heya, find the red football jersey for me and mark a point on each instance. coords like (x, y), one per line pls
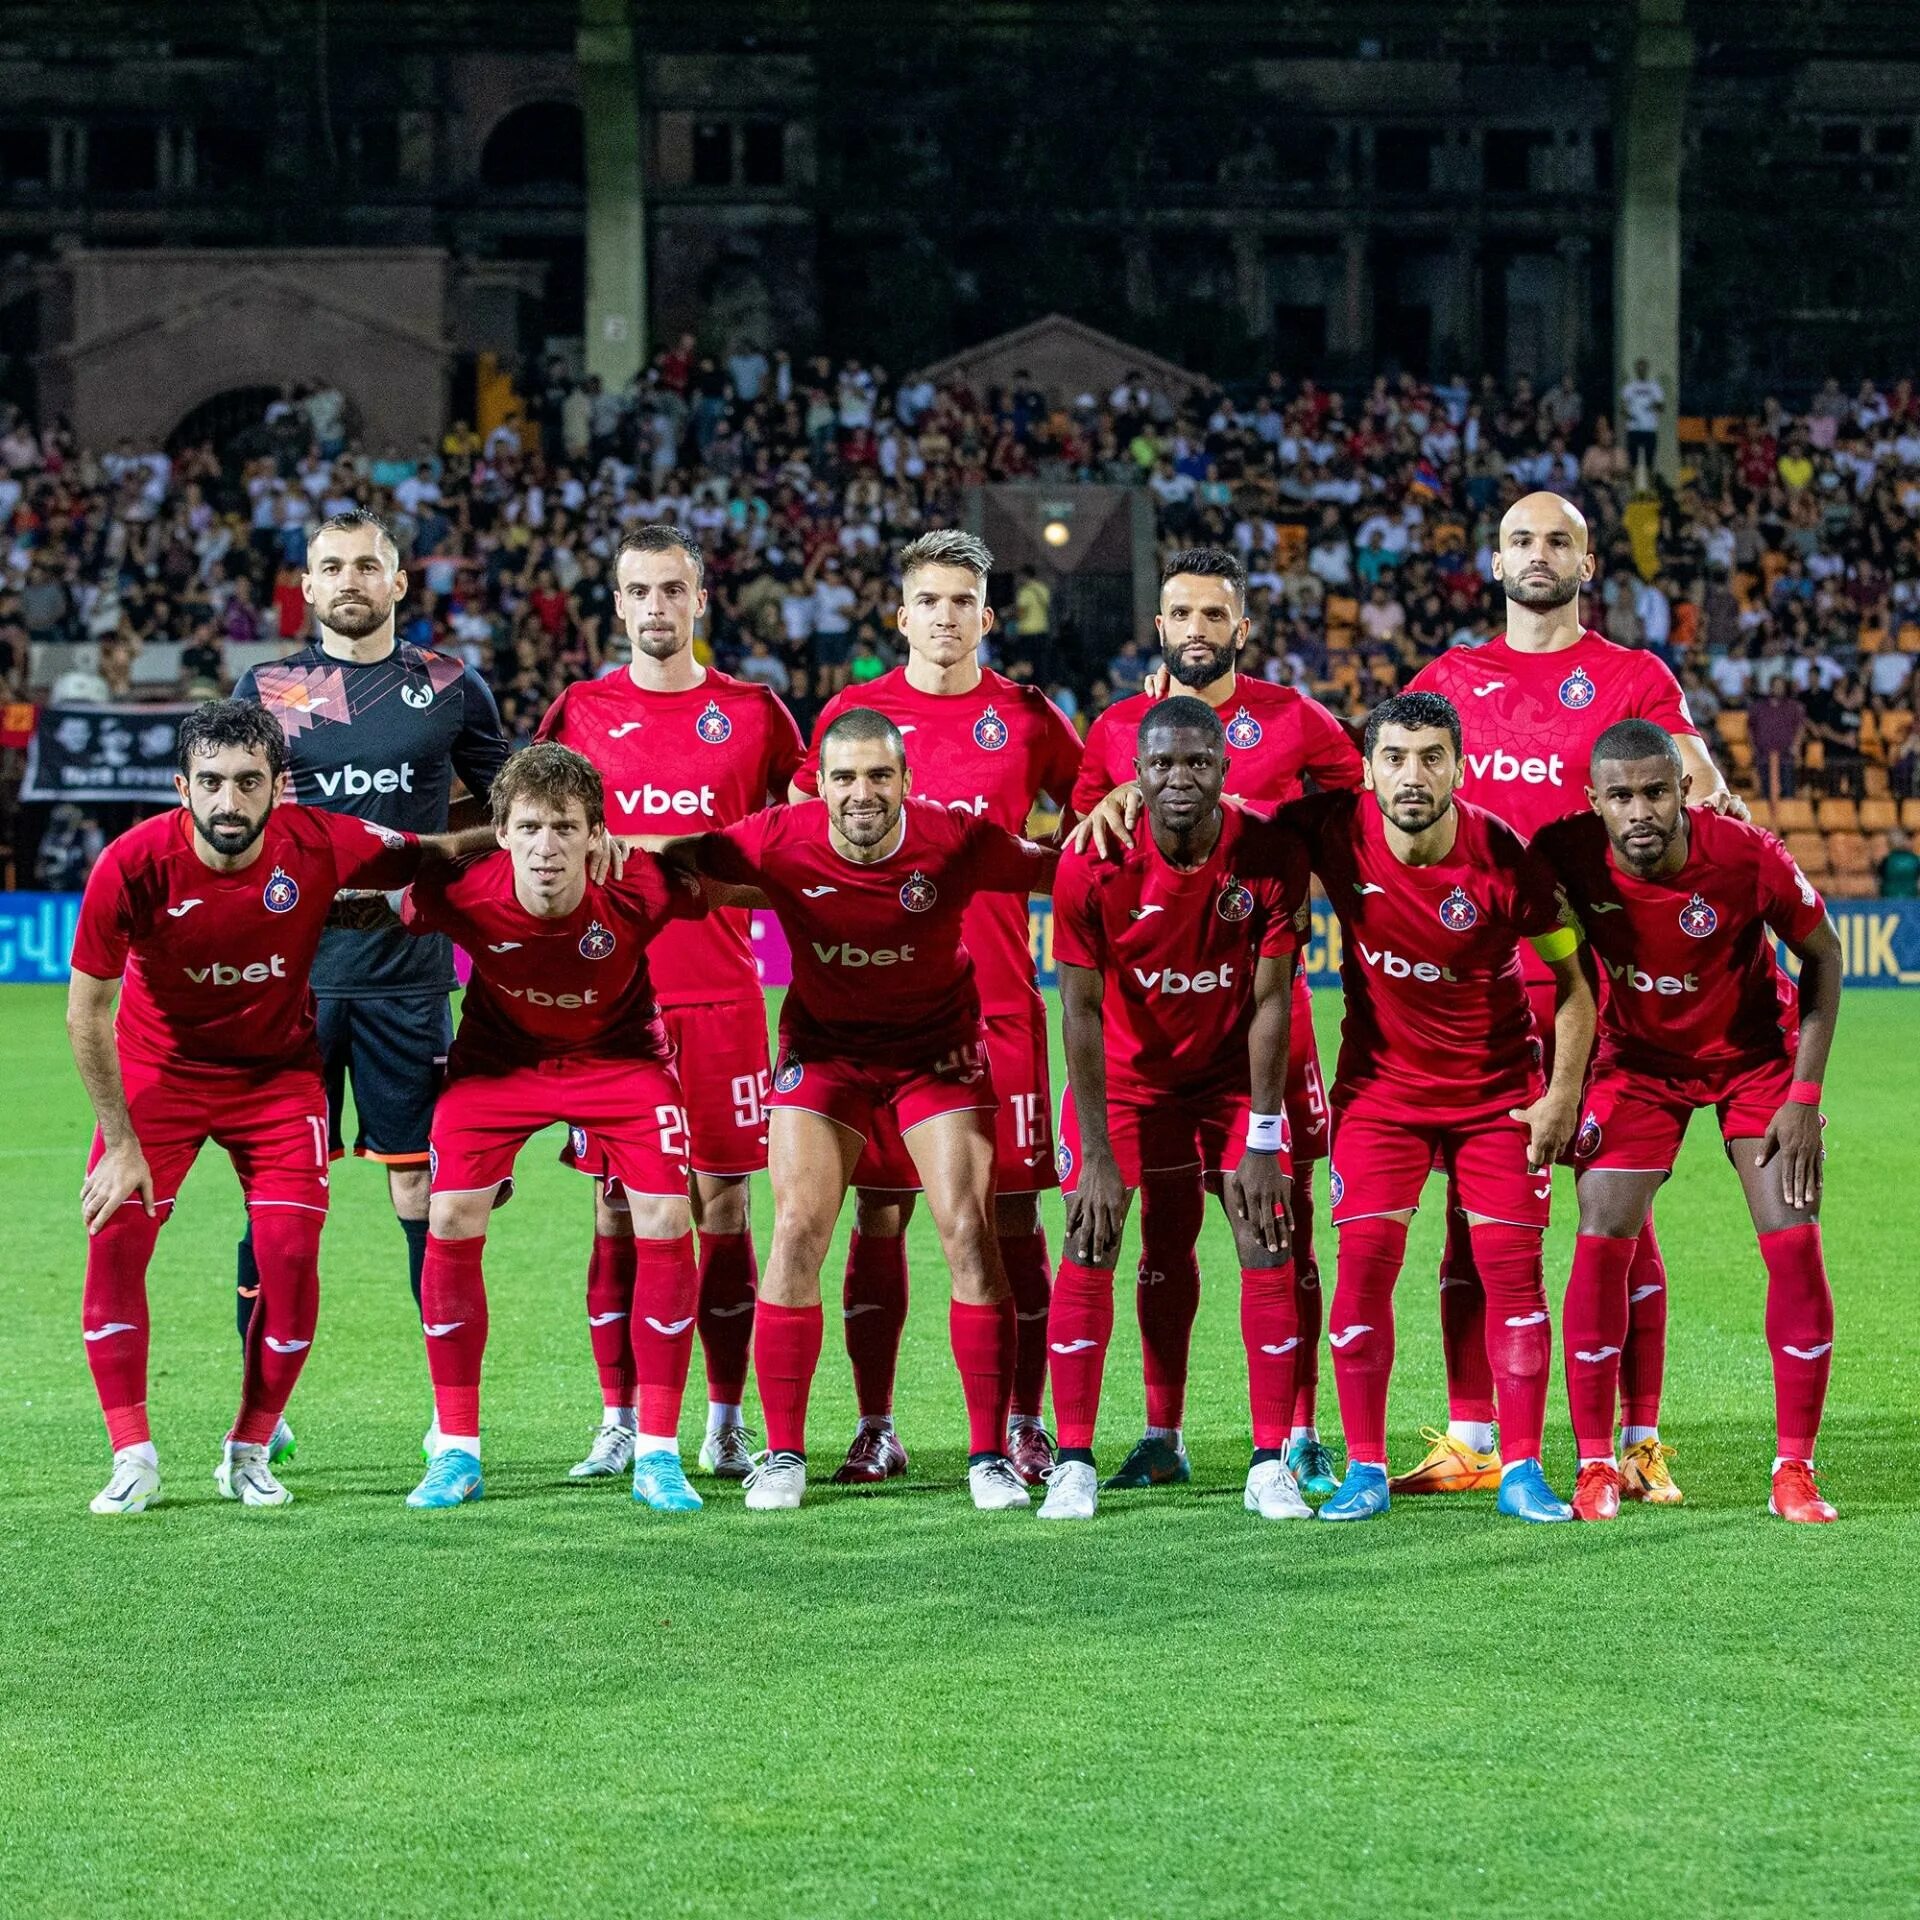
(1528, 721)
(1275, 735)
(880, 964)
(1437, 1018)
(1689, 982)
(214, 965)
(679, 763)
(1178, 950)
(990, 753)
(542, 988)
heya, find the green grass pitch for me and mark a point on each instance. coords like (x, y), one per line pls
(557, 1703)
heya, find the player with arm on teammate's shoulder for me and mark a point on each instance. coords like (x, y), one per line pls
(991, 748)
(1175, 962)
(883, 1014)
(1440, 1064)
(203, 923)
(1681, 907)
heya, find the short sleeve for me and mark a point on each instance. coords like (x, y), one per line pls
(1077, 935)
(736, 855)
(1061, 755)
(1330, 755)
(787, 753)
(1789, 901)
(806, 776)
(1659, 698)
(366, 854)
(1534, 904)
(105, 932)
(996, 861)
(553, 723)
(1096, 779)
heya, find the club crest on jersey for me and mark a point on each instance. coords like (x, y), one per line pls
(1243, 730)
(597, 942)
(990, 732)
(1235, 902)
(1698, 919)
(918, 893)
(1577, 689)
(577, 1139)
(281, 894)
(1063, 1159)
(1586, 1142)
(1457, 912)
(416, 695)
(788, 1075)
(713, 726)
(1336, 1187)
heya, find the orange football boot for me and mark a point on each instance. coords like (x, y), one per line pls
(1644, 1475)
(1451, 1466)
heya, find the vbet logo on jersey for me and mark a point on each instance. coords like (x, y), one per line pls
(597, 942)
(713, 726)
(281, 893)
(652, 799)
(1531, 771)
(990, 732)
(1169, 980)
(355, 783)
(1243, 730)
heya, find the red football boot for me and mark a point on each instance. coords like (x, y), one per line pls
(1596, 1494)
(1795, 1497)
(1030, 1452)
(876, 1455)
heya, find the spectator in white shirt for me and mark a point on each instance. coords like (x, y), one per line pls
(1642, 401)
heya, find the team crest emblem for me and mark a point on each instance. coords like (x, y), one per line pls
(713, 726)
(918, 893)
(1698, 919)
(1243, 730)
(596, 943)
(1336, 1187)
(990, 732)
(788, 1076)
(1063, 1159)
(433, 1160)
(1577, 689)
(577, 1140)
(1587, 1141)
(415, 695)
(1235, 902)
(281, 894)
(1457, 912)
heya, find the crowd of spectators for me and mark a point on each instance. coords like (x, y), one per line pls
(1780, 579)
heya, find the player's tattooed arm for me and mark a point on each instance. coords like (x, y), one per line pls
(1709, 788)
(121, 1171)
(1097, 1209)
(1793, 1135)
(1551, 1120)
(1259, 1190)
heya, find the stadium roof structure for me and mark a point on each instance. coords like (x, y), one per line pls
(1063, 356)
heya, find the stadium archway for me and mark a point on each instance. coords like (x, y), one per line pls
(540, 145)
(230, 416)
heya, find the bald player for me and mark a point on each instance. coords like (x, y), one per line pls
(1532, 702)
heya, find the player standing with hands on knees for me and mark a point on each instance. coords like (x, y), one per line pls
(1681, 906)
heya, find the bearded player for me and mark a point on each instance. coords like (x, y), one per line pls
(681, 746)
(1439, 1061)
(991, 748)
(205, 922)
(883, 1015)
(1681, 906)
(1532, 701)
(1174, 962)
(1276, 739)
(559, 1024)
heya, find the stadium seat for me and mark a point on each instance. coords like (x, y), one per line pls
(1910, 815)
(1793, 816)
(1838, 816)
(1762, 812)
(1690, 429)
(1810, 849)
(1877, 815)
(1847, 853)
(1732, 724)
(1851, 886)
(1878, 785)
(1895, 724)
(1740, 752)
(1877, 844)
(1910, 639)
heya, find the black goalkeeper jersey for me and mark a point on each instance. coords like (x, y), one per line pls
(382, 741)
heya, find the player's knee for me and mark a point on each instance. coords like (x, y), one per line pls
(660, 1216)
(459, 1216)
(721, 1206)
(1016, 1215)
(409, 1188)
(611, 1221)
(879, 1217)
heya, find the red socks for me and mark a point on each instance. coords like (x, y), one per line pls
(1172, 1211)
(729, 1279)
(1463, 1322)
(609, 1304)
(453, 1316)
(1643, 1360)
(1519, 1334)
(286, 1249)
(875, 1304)
(1030, 1275)
(1799, 1335)
(1593, 1329)
(1308, 1304)
(1361, 1332)
(785, 1353)
(113, 1317)
(1270, 1326)
(664, 1289)
(983, 1338)
(1079, 1326)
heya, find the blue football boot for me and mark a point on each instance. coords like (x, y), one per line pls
(660, 1482)
(453, 1479)
(1362, 1496)
(1525, 1495)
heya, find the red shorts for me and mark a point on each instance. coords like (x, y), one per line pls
(1379, 1164)
(1166, 1135)
(1023, 1128)
(722, 1063)
(623, 1115)
(272, 1123)
(863, 1095)
(1306, 1091)
(1634, 1122)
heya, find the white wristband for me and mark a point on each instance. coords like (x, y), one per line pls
(1267, 1133)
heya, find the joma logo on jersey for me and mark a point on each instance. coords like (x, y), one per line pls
(355, 783)
(1168, 980)
(652, 799)
(846, 954)
(1628, 975)
(1529, 772)
(219, 974)
(1397, 968)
